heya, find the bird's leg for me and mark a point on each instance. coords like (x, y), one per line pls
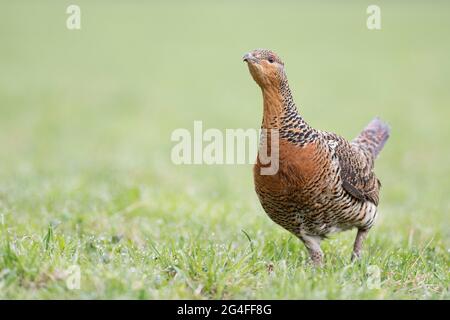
(316, 257)
(312, 243)
(360, 236)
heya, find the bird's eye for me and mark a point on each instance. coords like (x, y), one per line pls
(270, 59)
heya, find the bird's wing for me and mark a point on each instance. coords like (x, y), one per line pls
(356, 167)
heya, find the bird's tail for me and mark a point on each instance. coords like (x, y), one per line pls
(373, 137)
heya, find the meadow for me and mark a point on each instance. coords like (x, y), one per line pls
(86, 177)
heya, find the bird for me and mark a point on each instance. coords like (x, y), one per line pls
(324, 183)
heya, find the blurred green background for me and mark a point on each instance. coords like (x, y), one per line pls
(85, 123)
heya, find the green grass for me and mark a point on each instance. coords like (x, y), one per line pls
(86, 177)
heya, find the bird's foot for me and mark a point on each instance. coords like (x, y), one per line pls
(356, 255)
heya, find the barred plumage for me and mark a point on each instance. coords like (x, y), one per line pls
(324, 183)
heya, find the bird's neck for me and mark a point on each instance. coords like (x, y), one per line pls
(280, 111)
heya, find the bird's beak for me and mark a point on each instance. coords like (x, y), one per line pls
(248, 57)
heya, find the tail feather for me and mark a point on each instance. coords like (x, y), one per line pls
(373, 137)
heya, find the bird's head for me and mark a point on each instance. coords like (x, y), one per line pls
(265, 66)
